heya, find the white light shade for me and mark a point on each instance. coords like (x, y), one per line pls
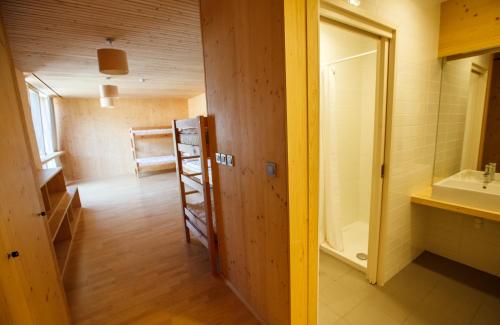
(107, 102)
(112, 61)
(110, 91)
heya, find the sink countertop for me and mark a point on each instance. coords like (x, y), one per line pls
(425, 198)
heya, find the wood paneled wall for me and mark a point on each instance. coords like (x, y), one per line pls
(197, 105)
(30, 289)
(245, 86)
(96, 140)
(469, 26)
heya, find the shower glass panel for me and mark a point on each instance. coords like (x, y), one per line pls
(347, 119)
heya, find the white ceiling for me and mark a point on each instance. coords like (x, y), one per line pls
(57, 40)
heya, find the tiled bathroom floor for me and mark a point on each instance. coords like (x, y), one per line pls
(431, 290)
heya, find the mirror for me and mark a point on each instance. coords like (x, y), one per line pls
(469, 115)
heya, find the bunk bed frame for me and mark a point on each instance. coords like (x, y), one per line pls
(194, 174)
(151, 163)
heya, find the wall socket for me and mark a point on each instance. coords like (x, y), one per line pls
(230, 160)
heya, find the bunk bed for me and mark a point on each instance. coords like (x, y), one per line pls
(194, 175)
(145, 163)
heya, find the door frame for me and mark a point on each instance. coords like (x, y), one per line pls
(301, 22)
(378, 139)
(480, 159)
(315, 11)
(480, 105)
(383, 109)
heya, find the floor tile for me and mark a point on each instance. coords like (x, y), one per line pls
(432, 290)
(326, 316)
(368, 313)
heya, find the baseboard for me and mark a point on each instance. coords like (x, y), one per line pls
(243, 300)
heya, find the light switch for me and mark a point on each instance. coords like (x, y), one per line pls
(271, 169)
(230, 160)
(217, 157)
(222, 159)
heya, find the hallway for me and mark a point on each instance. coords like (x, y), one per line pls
(131, 264)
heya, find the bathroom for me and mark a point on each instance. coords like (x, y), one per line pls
(399, 123)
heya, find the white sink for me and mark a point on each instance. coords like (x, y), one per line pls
(468, 188)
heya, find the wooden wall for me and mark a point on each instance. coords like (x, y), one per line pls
(30, 289)
(197, 105)
(96, 140)
(491, 146)
(245, 85)
(469, 26)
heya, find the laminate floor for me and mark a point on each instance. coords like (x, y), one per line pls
(130, 263)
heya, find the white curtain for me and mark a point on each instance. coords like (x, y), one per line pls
(329, 200)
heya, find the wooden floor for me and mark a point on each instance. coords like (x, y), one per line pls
(130, 262)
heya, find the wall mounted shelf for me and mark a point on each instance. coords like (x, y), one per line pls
(425, 198)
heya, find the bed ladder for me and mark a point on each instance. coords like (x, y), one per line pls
(189, 184)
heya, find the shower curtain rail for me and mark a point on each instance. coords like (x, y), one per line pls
(350, 58)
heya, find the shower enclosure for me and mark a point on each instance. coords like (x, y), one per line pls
(351, 140)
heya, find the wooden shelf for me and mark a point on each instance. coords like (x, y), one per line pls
(62, 249)
(63, 207)
(56, 216)
(62, 244)
(45, 175)
(76, 217)
(425, 198)
(55, 200)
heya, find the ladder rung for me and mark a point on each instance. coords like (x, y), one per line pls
(191, 182)
(191, 174)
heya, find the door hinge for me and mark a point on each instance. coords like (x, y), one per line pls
(382, 170)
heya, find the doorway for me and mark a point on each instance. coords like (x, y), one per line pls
(353, 86)
(474, 117)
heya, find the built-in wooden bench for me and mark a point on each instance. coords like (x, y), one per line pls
(62, 208)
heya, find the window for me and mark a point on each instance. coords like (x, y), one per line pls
(43, 123)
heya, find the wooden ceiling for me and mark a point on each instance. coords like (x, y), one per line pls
(57, 40)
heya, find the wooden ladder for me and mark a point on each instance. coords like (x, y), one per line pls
(202, 228)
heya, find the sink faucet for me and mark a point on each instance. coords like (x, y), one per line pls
(489, 172)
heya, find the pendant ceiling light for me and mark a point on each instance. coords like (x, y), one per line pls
(110, 91)
(107, 102)
(112, 61)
